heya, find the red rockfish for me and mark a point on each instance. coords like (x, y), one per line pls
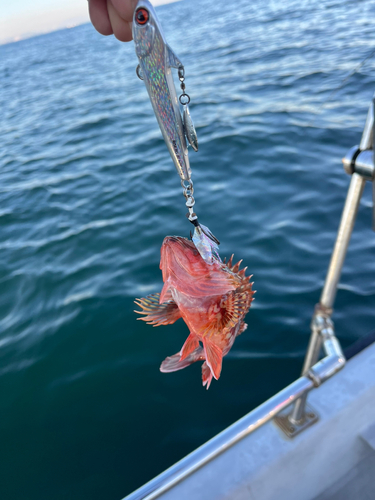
(212, 299)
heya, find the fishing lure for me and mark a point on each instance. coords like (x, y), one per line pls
(156, 60)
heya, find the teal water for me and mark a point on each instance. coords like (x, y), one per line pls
(88, 192)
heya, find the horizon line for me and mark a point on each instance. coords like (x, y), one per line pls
(73, 22)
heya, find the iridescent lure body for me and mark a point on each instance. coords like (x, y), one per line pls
(156, 59)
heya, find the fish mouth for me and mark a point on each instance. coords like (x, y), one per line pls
(177, 239)
(178, 243)
(181, 250)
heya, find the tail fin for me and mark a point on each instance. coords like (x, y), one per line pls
(174, 363)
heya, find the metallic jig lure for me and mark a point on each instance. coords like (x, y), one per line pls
(156, 59)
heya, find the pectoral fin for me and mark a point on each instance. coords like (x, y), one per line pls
(173, 60)
(226, 313)
(214, 357)
(157, 314)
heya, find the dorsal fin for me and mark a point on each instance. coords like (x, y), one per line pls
(236, 267)
(230, 261)
(174, 61)
(242, 272)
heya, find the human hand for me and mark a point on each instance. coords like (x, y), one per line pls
(113, 17)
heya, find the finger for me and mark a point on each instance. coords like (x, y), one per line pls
(125, 8)
(121, 29)
(99, 16)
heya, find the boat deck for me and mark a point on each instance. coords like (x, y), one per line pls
(332, 459)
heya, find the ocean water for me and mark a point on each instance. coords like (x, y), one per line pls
(88, 192)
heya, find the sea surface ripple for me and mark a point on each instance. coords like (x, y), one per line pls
(88, 192)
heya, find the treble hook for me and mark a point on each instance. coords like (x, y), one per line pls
(205, 242)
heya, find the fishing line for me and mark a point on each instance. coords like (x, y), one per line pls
(156, 60)
(334, 91)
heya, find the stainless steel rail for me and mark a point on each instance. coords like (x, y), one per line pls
(323, 310)
(315, 376)
(359, 163)
(357, 184)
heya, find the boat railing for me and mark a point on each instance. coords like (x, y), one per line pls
(359, 163)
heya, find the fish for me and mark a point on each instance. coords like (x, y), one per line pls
(212, 299)
(156, 59)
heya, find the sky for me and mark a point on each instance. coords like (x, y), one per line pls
(21, 19)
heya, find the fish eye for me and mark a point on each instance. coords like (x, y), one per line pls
(141, 16)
